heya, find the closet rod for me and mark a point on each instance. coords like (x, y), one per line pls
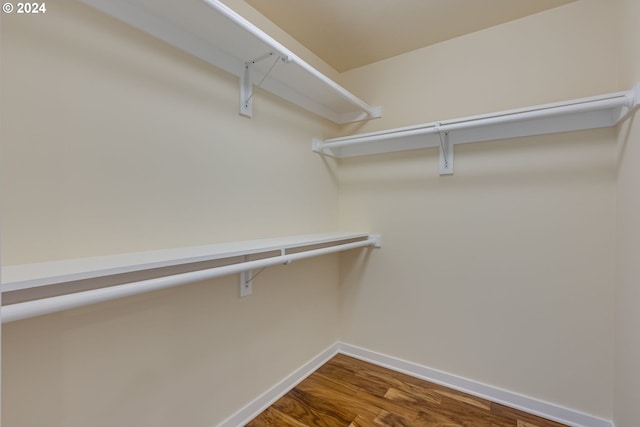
(24, 310)
(290, 56)
(615, 100)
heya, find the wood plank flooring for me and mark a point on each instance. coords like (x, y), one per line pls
(347, 392)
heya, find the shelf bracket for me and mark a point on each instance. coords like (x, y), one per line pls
(246, 277)
(446, 152)
(246, 93)
(246, 283)
(246, 86)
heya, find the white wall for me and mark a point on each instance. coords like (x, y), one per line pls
(627, 369)
(114, 142)
(502, 273)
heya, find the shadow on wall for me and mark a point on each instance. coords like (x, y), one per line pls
(539, 161)
(624, 131)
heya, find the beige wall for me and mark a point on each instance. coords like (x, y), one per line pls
(502, 273)
(560, 54)
(627, 369)
(114, 142)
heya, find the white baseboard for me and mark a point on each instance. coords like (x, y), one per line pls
(262, 402)
(527, 404)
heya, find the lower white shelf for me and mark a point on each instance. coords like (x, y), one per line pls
(236, 257)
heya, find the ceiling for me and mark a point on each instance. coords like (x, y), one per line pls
(348, 34)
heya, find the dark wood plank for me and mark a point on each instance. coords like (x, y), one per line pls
(444, 391)
(434, 419)
(387, 419)
(312, 410)
(338, 395)
(467, 414)
(359, 375)
(273, 417)
(361, 422)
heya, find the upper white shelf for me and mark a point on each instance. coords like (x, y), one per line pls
(585, 113)
(16, 277)
(213, 32)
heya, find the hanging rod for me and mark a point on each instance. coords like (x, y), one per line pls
(291, 57)
(579, 114)
(24, 310)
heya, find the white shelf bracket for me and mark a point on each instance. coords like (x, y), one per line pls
(246, 87)
(246, 277)
(246, 283)
(246, 92)
(446, 152)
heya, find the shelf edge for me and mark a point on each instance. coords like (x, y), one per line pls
(16, 277)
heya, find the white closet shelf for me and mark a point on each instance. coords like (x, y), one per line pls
(213, 32)
(16, 277)
(585, 113)
(270, 252)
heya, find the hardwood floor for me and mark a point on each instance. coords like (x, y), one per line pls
(351, 393)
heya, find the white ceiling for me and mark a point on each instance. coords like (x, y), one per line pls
(351, 33)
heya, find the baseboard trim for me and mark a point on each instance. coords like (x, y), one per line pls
(262, 402)
(527, 404)
(541, 408)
